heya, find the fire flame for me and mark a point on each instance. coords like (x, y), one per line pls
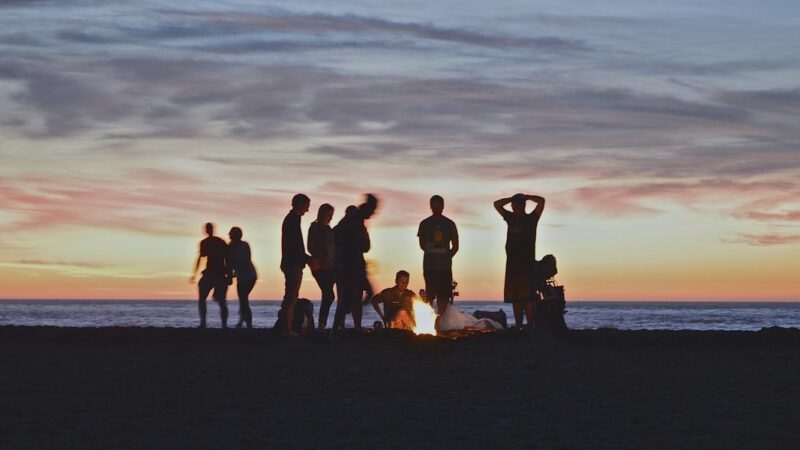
(424, 318)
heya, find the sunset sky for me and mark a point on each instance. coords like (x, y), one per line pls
(665, 139)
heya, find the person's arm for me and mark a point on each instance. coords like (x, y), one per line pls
(193, 277)
(499, 205)
(539, 204)
(421, 238)
(200, 255)
(375, 304)
(314, 247)
(309, 318)
(228, 267)
(311, 243)
(365, 242)
(454, 241)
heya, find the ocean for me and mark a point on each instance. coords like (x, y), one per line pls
(747, 316)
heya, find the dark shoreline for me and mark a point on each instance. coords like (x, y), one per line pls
(161, 387)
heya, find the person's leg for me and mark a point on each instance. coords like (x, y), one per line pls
(203, 289)
(325, 281)
(348, 289)
(245, 314)
(518, 307)
(357, 304)
(430, 288)
(444, 284)
(220, 294)
(529, 315)
(239, 289)
(294, 276)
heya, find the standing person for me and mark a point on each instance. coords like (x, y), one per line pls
(352, 241)
(243, 269)
(322, 245)
(520, 253)
(438, 238)
(397, 302)
(293, 258)
(216, 276)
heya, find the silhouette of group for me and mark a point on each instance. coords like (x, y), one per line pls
(336, 258)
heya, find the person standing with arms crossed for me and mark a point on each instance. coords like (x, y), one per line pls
(520, 253)
(293, 258)
(438, 238)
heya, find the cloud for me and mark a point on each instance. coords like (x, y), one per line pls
(145, 201)
(762, 240)
(633, 198)
(361, 25)
(782, 101)
(61, 264)
(782, 216)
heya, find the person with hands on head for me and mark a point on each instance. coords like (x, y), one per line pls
(520, 253)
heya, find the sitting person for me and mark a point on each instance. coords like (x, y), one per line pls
(303, 319)
(397, 304)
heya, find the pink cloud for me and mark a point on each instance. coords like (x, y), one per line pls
(766, 239)
(639, 198)
(145, 201)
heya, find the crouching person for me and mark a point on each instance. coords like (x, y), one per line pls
(397, 302)
(302, 319)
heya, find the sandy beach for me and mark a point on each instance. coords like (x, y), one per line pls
(140, 387)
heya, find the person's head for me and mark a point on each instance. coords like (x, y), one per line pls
(300, 204)
(235, 234)
(369, 206)
(401, 279)
(437, 205)
(209, 228)
(518, 204)
(325, 213)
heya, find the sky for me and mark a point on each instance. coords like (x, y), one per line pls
(663, 136)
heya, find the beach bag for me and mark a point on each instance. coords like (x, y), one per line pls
(550, 309)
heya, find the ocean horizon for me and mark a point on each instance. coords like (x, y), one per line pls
(587, 314)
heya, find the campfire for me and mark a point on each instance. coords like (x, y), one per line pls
(424, 318)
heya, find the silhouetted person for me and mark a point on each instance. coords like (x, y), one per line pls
(398, 301)
(352, 241)
(438, 238)
(520, 253)
(244, 271)
(216, 276)
(322, 245)
(367, 210)
(293, 257)
(302, 319)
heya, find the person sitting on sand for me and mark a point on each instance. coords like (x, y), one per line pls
(397, 302)
(245, 273)
(216, 276)
(302, 319)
